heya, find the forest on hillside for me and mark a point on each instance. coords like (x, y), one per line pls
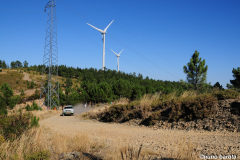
(108, 85)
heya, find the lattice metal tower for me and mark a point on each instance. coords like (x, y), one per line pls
(49, 82)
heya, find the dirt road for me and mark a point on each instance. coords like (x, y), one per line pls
(28, 91)
(163, 142)
(26, 77)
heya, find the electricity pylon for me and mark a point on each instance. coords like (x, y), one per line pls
(49, 82)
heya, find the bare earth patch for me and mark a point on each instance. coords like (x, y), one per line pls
(159, 143)
(26, 76)
(29, 91)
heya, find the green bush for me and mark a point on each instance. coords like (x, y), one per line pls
(34, 122)
(0, 70)
(13, 101)
(13, 126)
(3, 111)
(33, 107)
(17, 82)
(28, 108)
(42, 155)
(22, 93)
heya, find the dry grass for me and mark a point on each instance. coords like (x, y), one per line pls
(11, 77)
(122, 100)
(147, 99)
(188, 94)
(44, 114)
(42, 139)
(180, 149)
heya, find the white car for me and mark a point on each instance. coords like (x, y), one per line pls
(68, 110)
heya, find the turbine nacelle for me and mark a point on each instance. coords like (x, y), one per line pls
(100, 30)
(118, 55)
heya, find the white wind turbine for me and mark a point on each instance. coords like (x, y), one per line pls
(118, 55)
(103, 32)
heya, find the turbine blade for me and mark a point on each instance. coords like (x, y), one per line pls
(95, 28)
(108, 26)
(114, 52)
(120, 52)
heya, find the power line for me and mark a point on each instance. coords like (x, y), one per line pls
(20, 10)
(138, 40)
(80, 33)
(107, 49)
(130, 33)
(116, 39)
(134, 51)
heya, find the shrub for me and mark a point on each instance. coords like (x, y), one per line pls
(34, 122)
(33, 107)
(32, 84)
(3, 111)
(28, 108)
(1, 139)
(17, 82)
(13, 101)
(0, 70)
(11, 75)
(22, 93)
(185, 109)
(42, 155)
(13, 126)
(227, 94)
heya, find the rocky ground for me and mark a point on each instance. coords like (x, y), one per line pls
(227, 118)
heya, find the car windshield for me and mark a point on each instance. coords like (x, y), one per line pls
(68, 107)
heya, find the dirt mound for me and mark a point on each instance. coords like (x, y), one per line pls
(226, 118)
(219, 115)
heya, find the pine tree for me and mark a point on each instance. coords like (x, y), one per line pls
(217, 85)
(25, 64)
(8, 97)
(236, 82)
(196, 70)
(13, 64)
(18, 64)
(4, 66)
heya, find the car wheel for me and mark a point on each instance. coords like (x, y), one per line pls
(72, 114)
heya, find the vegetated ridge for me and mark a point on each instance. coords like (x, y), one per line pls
(218, 111)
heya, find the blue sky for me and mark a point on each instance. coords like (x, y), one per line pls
(158, 36)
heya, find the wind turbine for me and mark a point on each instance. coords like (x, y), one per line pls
(118, 55)
(103, 32)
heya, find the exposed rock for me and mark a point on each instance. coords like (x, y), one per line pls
(225, 119)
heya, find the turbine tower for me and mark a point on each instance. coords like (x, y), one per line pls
(118, 55)
(49, 82)
(103, 32)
